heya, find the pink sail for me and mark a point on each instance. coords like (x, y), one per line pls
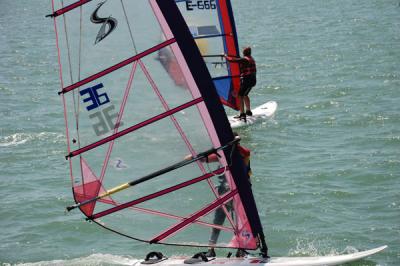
(137, 144)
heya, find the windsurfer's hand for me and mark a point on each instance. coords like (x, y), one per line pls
(188, 157)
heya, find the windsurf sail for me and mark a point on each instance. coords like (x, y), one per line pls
(212, 25)
(137, 144)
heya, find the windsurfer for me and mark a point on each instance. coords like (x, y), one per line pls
(222, 188)
(247, 80)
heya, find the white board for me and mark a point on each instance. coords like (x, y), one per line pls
(279, 261)
(262, 112)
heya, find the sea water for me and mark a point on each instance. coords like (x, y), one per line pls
(325, 169)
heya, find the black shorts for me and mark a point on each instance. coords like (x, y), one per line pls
(246, 84)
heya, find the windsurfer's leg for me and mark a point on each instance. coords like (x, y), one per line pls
(247, 103)
(241, 106)
(219, 215)
(240, 96)
(219, 219)
(248, 82)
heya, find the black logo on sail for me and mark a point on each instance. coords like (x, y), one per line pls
(108, 24)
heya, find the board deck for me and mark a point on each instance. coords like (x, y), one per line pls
(260, 113)
(279, 261)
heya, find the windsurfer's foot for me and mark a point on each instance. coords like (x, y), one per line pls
(249, 113)
(210, 253)
(241, 116)
(240, 253)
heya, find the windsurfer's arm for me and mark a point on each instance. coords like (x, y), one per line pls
(235, 59)
(210, 158)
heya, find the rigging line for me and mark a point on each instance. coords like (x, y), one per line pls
(175, 228)
(133, 128)
(129, 27)
(154, 195)
(118, 121)
(155, 174)
(118, 65)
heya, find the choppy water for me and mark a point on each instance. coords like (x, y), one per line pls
(326, 169)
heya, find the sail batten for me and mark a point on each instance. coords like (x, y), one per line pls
(69, 8)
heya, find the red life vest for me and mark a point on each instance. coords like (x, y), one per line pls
(249, 67)
(245, 153)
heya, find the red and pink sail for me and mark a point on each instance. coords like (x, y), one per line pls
(127, 118)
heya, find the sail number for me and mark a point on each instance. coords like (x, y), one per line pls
(104, 119)
(200, 4)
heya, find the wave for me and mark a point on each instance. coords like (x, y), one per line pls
(22, 138)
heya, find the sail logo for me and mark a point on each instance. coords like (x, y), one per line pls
(246, 235)
(108, 24)
(95, 98)
(104, 118)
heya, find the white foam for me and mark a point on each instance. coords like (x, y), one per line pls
(22, 138)
(91, 260)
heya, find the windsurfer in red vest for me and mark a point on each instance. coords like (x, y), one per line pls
(248, 80)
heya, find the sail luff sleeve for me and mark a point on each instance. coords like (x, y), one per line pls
(211, 100)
